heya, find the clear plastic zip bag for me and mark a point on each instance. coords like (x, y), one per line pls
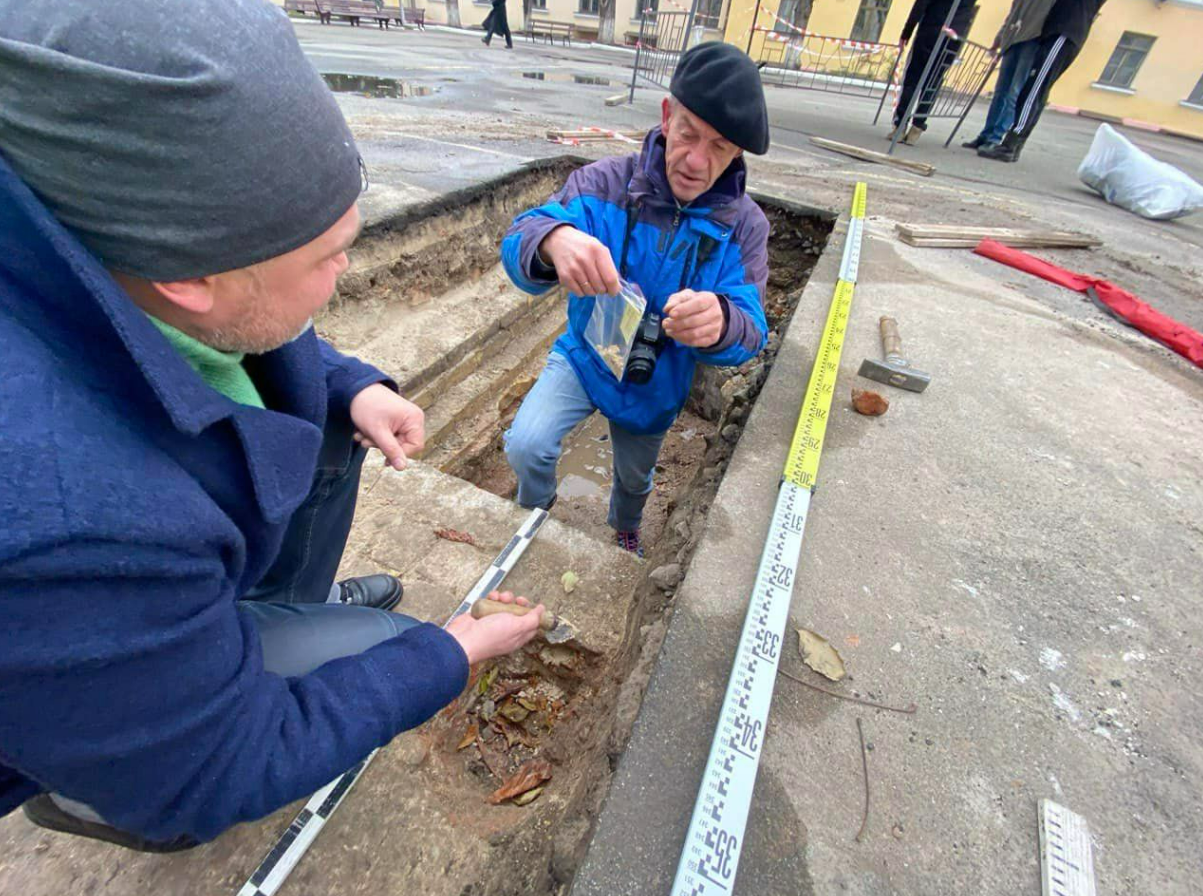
(613, 324)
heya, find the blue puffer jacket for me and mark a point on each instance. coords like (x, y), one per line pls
(717, 243)
(136, 506)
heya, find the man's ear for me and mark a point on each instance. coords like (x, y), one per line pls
(666, 112)
(194, 296)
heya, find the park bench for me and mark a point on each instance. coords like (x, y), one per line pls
(304, 7)
(352, 11)
(549, 30)
(413, 16)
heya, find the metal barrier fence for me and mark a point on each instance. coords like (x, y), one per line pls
(820, 62)
(662, 40)
(954, 78)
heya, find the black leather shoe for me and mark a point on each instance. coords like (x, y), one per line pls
(382, 592)
(45, 813)
(975, 143)
(1006, 151)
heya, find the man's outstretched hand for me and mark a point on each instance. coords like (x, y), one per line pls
(583, 264)
(694, 318)
(496, 635)
(385, 420)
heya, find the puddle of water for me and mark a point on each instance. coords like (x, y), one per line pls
(568, 78)
(585, 467)
(377, 88)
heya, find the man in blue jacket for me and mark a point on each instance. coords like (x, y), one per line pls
(178, 457)
(675, 221)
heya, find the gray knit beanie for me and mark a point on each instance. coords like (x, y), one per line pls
(174, 138)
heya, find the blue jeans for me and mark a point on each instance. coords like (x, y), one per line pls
(298, 629)
(556, 404)
(1013, 72)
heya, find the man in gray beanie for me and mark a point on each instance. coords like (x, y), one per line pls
(178, 457)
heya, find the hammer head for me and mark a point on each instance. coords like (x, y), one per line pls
(894, 371)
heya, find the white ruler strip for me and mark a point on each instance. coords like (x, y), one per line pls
(715, 838)
(1066, 856)
(293, 843)
(710, 856)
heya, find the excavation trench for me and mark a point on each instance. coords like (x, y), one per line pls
(427, 301)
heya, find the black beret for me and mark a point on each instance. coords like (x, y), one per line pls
(720, 84)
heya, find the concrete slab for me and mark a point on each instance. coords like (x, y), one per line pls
(1016, 550)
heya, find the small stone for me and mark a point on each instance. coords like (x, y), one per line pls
(1116, 683)
(412, 749)
(897, 648)
(666, 577)
(682, 530)
(871, 404)
(730, 432)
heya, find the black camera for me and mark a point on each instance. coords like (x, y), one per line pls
(649, 342)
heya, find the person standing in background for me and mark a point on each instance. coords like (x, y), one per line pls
(498, 23)
(1018, 41)
(1065, 30)
(925, 23)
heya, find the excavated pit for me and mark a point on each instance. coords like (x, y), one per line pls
(427, 301)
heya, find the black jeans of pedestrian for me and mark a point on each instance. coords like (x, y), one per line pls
(498, 23)
(925, 44)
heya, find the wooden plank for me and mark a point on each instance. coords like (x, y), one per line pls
(869, 155)
(951, 236)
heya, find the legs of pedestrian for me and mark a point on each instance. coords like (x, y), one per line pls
(634, 466)
(555, 404)
(921, 49)
(931, 90)
(509, 38)
(1013, 71)
(1054, 55)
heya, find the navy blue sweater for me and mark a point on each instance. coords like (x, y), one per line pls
(136, 506)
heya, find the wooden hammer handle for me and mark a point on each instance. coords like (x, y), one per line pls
(891, 340)
(486, 607)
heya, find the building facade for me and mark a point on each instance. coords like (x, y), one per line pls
(1141, 65)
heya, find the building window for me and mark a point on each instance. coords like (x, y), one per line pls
(1196, 95)
(588, 7)
(709, 12)
(1126, 60)
(796, 13)
(870, 19)
(538, 4)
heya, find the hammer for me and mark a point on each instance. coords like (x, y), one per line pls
(895, 370)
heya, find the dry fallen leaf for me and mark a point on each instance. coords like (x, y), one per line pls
(569, 580)
(455, 535)
(529, 797)
(871, 404)
(469, 736)
(513, 711)
(820, 655)
(530, 775)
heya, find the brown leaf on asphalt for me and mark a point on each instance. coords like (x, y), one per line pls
(469, 736)
(820, 655)
(530, 775)
(455, 535)
(871, 404)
